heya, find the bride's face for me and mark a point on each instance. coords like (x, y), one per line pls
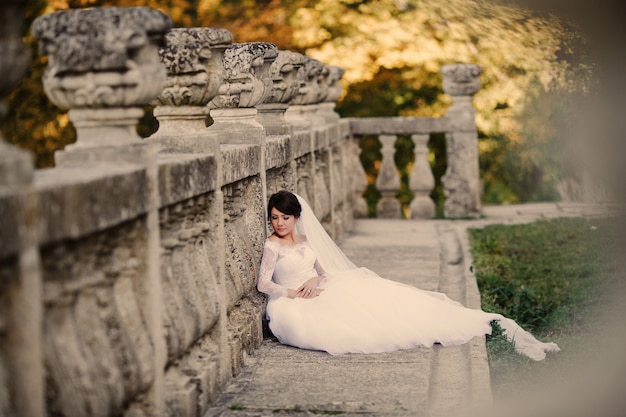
(282, 223)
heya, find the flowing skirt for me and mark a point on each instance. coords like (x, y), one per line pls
(360, 312)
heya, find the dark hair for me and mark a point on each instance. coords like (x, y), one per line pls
(285, 202)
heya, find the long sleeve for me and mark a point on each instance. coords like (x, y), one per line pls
(265, 283)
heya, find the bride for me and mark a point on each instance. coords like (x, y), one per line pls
(318, 299)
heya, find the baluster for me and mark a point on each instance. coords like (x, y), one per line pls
(422, 180)
(195, 71)
(334, 90)
(388, 180)
(246, 84)
(285, 86)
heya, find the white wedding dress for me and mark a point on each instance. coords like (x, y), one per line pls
(360, 312)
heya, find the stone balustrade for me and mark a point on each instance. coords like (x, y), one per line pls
(462, 184)
(128, 271)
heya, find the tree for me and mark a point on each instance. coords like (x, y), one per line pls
(392, 51)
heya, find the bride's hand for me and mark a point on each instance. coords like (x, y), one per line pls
(309, 288)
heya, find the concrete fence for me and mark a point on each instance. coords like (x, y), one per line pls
(127, 272)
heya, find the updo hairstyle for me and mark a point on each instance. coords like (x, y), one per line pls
(285, 202)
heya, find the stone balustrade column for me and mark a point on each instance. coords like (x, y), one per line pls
(462, 184)
(103, 65)
(334, 91)
(388, 181)
(285, 86)
(246, 84)
(21, 304)
(421, 180)
(195, 72)
(302, 110)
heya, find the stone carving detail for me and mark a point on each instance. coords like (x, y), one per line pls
(388, 181)
(97, 57)
(194, 75)
(311, 75)
(246, 75)
(97, 342)
(188, 277)
(334, 90)
(461, 79)
(304, 179)
(285, 85)
(241, 259)
(284, 76)
(103, 65)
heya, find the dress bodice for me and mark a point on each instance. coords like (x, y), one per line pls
(295, 265)
(286, 267)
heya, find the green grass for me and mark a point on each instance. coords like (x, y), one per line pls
(554, 277)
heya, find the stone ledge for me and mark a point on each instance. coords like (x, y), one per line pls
(74, 202)
(300, 143)
(277, 151)
(182, 176)
(240, 161)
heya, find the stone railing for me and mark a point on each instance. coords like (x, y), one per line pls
(128, 270)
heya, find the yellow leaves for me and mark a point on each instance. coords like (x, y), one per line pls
(310, 33)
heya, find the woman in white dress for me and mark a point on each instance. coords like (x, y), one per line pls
(318, 299)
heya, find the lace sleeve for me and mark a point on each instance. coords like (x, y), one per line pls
(268, 263)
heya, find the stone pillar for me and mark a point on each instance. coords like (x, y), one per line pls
(21, 365)
(246, 84)
(195, 71)
(302, 110)
(462, 184)
(334, 91)
(103, 65)
(422, 180)
(285, 86)
(388, 181)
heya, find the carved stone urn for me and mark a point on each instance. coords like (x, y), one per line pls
(302, 112)
(193, 58)
(246, 84)
(334, 91)
(285, 85)
(103, 65)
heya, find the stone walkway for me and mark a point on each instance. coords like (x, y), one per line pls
(433, 382)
